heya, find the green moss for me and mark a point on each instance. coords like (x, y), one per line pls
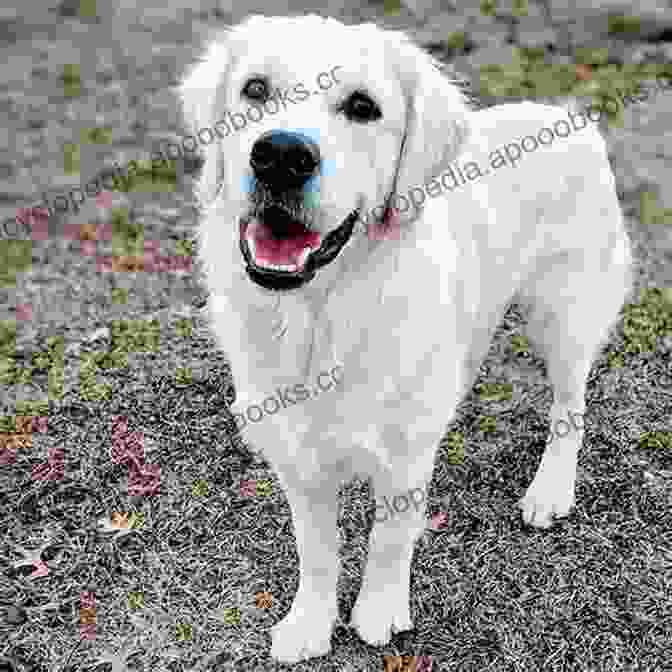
(232, 615)
(136, 600)
(529, 55)
(650, 212)
(496, 391)
(183, 632)
(610, 82)
(623, 24)
(73, 90)
(116, 358)
(615, 360)
(200, 488)
(8, 371)
(136, 520)
(184, 328)
(87, 9)
(646, 321)
(56, 347)
(455, 444)
(149, 177)
(136, 335)
(660, 440)
(56, 382)
(24, 376)
(89, 390)
(529, 76)
(589, 56)
(71, 158)
(41, 361)
(520, 8)
(15, 257)
(391, 6)
(32, 407)
(183, 376)
(7, 337)
(184, 248)
(488, 424)
(127, 237)
(520, 345)
(96, 136)
(119, 218)
(147, 184)
(72, 82)
(488, 7)
(119, 296)
(456, 40)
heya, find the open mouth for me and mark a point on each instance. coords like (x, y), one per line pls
(286, 254)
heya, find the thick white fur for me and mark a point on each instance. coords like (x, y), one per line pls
(410, 319)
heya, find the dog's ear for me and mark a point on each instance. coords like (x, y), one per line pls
(198, 95)
(437, 119)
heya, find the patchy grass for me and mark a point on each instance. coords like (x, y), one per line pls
(624, 25)
(15, 257)
(191, 572)
(488, 7)
(647, 320)
(530, 76)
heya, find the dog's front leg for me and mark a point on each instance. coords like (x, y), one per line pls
(306, 630)
(384, 598)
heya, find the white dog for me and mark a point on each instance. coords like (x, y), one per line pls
(298, 285)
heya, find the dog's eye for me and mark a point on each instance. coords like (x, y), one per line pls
(256, 89)
(359, 107)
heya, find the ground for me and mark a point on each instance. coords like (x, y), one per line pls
(164, 542)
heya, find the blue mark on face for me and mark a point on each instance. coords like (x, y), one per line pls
(248, 183)
(312, 187)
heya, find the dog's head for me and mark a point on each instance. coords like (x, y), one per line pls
(312, 126)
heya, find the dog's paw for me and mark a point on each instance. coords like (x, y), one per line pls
(376, 612)
(550, 496)
(304, 633)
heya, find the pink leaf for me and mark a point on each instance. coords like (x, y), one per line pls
(103, 263)
(248, 488)
(41, 570)
(88, 630)
(56, 457)
(37, 219)
(40, 424)
(24, 311)
(119, 426)
(439, 520)
(7, 455)
(104, 199)
(144, 479)
(87, 600)
(88, 247)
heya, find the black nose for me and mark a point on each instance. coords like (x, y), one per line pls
(283, 160)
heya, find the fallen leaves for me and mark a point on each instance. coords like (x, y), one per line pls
(128, 449)
(53, 469)
(407, 663)
(87, 615)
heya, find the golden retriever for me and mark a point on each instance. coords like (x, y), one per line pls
(313, 133)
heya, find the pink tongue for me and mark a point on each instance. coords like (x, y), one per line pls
(286, 251)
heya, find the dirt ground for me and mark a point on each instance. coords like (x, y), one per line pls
(173, 582)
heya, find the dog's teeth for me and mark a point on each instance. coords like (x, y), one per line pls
(303, 256)
(252, 245)
(281, 267)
